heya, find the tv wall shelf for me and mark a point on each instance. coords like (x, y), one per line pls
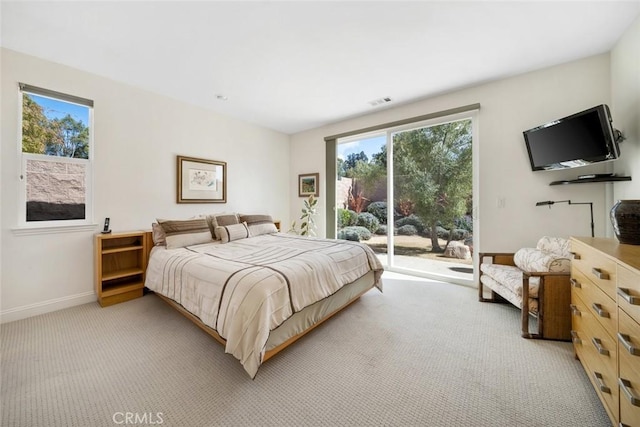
(596, 179)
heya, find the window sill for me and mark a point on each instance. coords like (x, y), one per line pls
(31, 231)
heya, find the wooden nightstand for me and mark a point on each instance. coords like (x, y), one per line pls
(120, 265)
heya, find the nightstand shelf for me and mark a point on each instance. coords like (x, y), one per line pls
(120, 263)
(122, 249)
(113, 290)
(120, 274)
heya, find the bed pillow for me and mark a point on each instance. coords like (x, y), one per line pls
(158, 235)
(181, 233)
(259, 224)
(229, 233)
(221, 220)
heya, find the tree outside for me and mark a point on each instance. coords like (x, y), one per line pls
(432, 187)
(433, 171)
(62, 137)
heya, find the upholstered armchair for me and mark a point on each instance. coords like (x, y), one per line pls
(536, 280)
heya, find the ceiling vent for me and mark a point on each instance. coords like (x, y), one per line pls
(380, 101)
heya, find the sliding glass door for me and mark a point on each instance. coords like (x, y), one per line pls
(426, 171)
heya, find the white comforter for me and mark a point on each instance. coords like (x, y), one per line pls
(246, 288)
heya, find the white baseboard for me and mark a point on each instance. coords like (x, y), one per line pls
(31, 310)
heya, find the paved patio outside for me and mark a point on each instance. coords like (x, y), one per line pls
(446, 271)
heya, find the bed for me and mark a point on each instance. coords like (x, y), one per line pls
(258, 293)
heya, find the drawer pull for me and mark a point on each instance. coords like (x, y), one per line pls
(603, 388)
(598, 345)
(625, 340)
(625, 385)
(624, 293)
(599, 274)
(598, 309)
(575, 283)
(574, 338)
(574, 310)
(575, 255)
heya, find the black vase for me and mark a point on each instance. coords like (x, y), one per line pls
(625, 217)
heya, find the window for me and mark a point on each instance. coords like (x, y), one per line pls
(56, 146)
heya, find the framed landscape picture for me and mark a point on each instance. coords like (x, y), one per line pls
(201, 180)
(308, 184)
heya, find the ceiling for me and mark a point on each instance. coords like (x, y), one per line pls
(292, 66)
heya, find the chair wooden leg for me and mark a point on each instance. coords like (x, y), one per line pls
(525, 310)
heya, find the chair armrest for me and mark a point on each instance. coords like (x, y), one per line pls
(544, 274)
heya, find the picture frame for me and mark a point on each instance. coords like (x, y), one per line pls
(309, 184)
(201, 180)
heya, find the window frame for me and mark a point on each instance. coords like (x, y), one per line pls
(35, 227)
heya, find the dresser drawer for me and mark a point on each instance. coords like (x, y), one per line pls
(592, 343)
(629, 340)
(604, 309)
(608, 390)
(579, 320)
(629, 291)
(629, 390)
(596, 266)
(604, 347)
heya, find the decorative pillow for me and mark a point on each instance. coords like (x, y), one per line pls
(158, 235)
(229, 233)
(259, 224)
(556, 245)
(181, 233)
(535, 260)
(221, 220)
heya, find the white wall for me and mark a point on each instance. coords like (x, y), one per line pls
(508, 107)
(137, 137)
(625, 109)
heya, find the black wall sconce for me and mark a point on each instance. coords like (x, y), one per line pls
(550, 202)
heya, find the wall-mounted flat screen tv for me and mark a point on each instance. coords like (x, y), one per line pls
(581, 139)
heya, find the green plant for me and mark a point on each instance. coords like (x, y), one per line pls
(459, 234)
(407, 230)
(442, 232)
(411, 220)
(308, 225)
(346, 218)
(379, 210)
(350, 233)
(369, 221)
(382, 230)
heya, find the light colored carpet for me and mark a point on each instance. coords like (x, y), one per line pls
(423, 353)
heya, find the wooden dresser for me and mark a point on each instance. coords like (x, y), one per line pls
(605, 320)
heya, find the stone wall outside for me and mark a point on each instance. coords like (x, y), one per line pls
(56, 182)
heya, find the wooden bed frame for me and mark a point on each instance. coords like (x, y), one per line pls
(269, 354)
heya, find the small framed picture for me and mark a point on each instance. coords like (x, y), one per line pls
(201, 180)
(308, 184)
